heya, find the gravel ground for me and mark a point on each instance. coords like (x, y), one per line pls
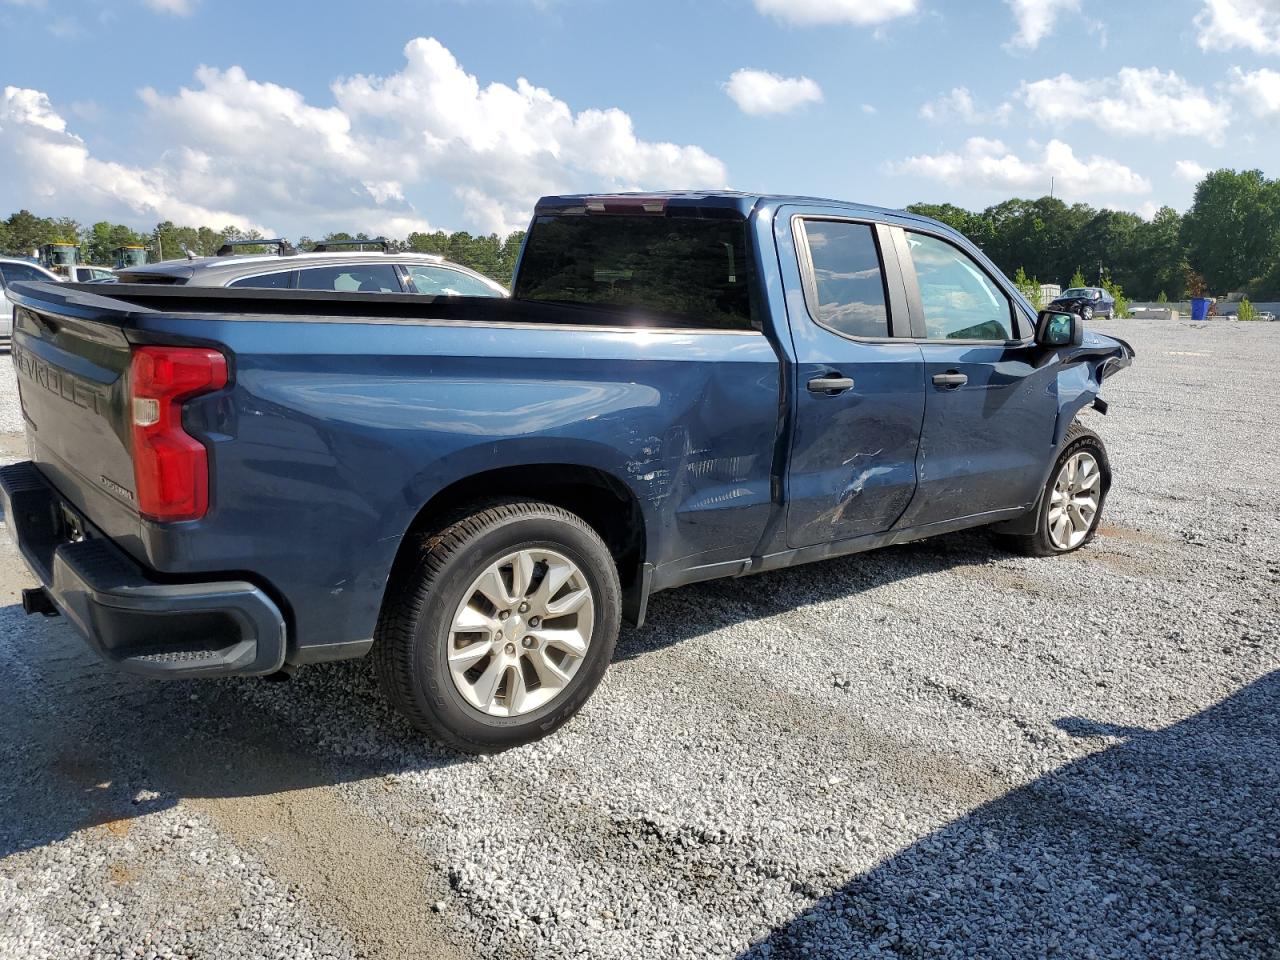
(933, 750)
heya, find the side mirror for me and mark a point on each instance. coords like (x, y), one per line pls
(1056, 328)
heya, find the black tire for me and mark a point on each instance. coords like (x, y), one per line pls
(1039, 544)
(411, 647)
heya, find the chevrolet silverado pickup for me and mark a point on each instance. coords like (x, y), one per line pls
(477, 492)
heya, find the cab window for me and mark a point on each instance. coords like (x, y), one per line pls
(960, 301)
(847, 295)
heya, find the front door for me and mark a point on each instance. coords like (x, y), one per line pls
(990, 411)
(859, 392)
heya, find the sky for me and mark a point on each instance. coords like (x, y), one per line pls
(390, 116)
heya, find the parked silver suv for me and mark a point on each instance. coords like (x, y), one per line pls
(14, 271)
(326, 268)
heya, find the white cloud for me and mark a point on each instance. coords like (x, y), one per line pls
(1147, 103)
(869, 109)
(54, 164)
(248, 152)
(960, 105)
(1246, 24)
(990, 164)
(1190, 171)
(1036, 19)
(760, 92)
(179, 8)
(860, 13)
(1260, 91)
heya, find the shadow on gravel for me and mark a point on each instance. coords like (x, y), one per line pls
(692, 611)
(1164, 845)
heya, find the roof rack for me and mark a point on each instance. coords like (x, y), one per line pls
(283, 247)
(324, 246)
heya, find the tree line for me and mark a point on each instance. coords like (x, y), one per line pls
(1228, 241)
(23, 232)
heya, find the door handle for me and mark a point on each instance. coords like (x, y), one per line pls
(831, 384)
(950, 380)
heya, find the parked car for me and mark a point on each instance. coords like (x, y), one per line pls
(1089, 302)
(13, 270)
(87, 273)
(477, 491)
(330, 267)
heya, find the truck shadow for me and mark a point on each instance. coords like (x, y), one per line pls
(692, 611)
(84, 746)
(1164, 844)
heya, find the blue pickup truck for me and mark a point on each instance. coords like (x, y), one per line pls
(477, 492)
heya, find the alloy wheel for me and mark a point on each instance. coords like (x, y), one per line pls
(521, 632)
(1074, 502)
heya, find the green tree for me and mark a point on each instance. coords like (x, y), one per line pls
(1077, 279)
(1029, 286)
(1247, 312)
(1162, 256)
(1117, 293)
(1232, 231)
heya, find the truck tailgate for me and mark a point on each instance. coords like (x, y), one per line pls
(72, 383)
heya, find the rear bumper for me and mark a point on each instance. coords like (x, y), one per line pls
(133, 620)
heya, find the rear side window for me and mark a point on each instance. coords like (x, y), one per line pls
(672, 271)
(270, 281)
(960, 301)
(847, 294)
(443, 282)
(356, 278)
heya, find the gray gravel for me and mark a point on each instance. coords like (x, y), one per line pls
(10, 412)
(934, 750)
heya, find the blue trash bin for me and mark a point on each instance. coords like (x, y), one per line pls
(1200, 308)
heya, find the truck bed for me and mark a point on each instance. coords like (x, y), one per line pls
(347, 414)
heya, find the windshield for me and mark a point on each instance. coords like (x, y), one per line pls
(1080, 293)
(692, 269)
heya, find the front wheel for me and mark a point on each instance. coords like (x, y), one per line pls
(1071, 506)
(501, 627)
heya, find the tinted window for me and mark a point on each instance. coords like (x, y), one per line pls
(960, 301)
(20, 272)
(443, 282)
(270, 281)
(848, 282)
(686, 271)
(356, 278)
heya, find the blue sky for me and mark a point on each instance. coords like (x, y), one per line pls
(394, 115)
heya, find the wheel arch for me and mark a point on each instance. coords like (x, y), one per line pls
(607, 504)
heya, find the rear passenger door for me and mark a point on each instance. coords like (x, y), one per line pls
(859, 389)
(990, 408)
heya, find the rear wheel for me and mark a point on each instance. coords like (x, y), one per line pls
(1071, 507)
(501, 627)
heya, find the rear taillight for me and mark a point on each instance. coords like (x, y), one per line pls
(171, 467)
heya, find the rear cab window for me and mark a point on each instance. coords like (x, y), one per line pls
(656, 270)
